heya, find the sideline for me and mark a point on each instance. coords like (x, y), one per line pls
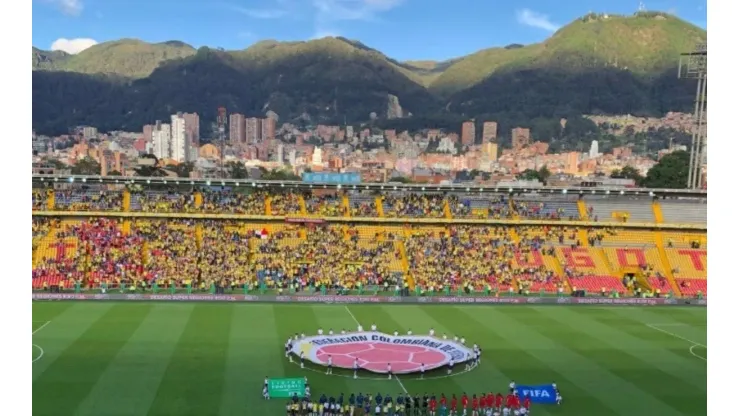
(694, 343)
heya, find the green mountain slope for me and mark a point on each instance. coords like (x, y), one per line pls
(595, 65)
(646, 43)
(48, 60)
(129, 58)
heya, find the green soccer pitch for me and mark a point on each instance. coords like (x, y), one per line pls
(210, 359)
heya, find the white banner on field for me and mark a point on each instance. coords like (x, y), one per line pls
(377, 352)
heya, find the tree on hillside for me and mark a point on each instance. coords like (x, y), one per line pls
(535, 175)
(114, 173)
(86, 166)
(672, 171)
(236, 170)
(154, 170)
(182, 170)
(628, 172)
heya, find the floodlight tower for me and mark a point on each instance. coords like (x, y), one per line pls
(693, 65)
(221, 125)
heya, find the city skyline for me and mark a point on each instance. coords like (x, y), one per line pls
(433, 30)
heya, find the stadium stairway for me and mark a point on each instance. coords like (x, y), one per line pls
(51, 199)
(44, 244)
(668, 269)
(657, 212)
(447, 210)
(302, 205)
(582, 212)
(583, 237)
(379, 206)
(345, 205)
(268, 205)
(401, 247)
(514, 235)
(199, 235)
(555, 266)
(126, 203)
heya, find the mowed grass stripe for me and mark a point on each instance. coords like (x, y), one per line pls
(131, 380)
(683, 324)
(43, 312)
(674, 358)
(529, 363)
(497, 362)
(570, 366)
(254, 352)
(67, 325)
(646, 365)
(193, 382)
(72, 376)
(621, 374)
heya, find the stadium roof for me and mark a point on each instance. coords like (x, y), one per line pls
(300, 185)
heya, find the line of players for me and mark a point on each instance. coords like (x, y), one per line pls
(486, 404)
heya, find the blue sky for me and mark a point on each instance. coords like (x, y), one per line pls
(403, 29)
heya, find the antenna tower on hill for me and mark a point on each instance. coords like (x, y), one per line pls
(693, 65)
(641, 7)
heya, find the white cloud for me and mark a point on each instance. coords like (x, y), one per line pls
(262, 13)
(531, 18)
(353, 9)
(70, 7)
(73, 46)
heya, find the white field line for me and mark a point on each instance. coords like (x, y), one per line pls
(41, 327)
(694, 343)
(359, 324)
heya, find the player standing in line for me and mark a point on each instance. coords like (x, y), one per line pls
(422, 371)
(328, 367)
(442, 404)
(307, 391)
(399, 404)
(407, 404)
(417, 404)
(453, 405)
(499, 401)
(265, 393)
(474, 403)
(432, 405)
(464, 402)
(288, 344)
(525, 406)
(389, 371)
(558, 397)
(356, 367)
(490, 400)
(301, 359)
(351, 402)
(512, 387)
(424, 404)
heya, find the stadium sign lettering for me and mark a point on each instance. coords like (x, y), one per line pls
(375, 350)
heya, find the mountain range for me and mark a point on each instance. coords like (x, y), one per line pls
(598, 64)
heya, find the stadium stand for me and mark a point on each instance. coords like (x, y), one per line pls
(527, 244)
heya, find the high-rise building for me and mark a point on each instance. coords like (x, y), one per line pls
(520, 138)
(161, 136)
(253, 130)
(268, 128)
(192, 129)
(490, 131)
(179, 145)
(593, 153)
(237, 129)
(148, 132)
(280, 153)
(468, 133)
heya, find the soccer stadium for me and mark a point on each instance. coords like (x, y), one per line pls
(182, 296)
